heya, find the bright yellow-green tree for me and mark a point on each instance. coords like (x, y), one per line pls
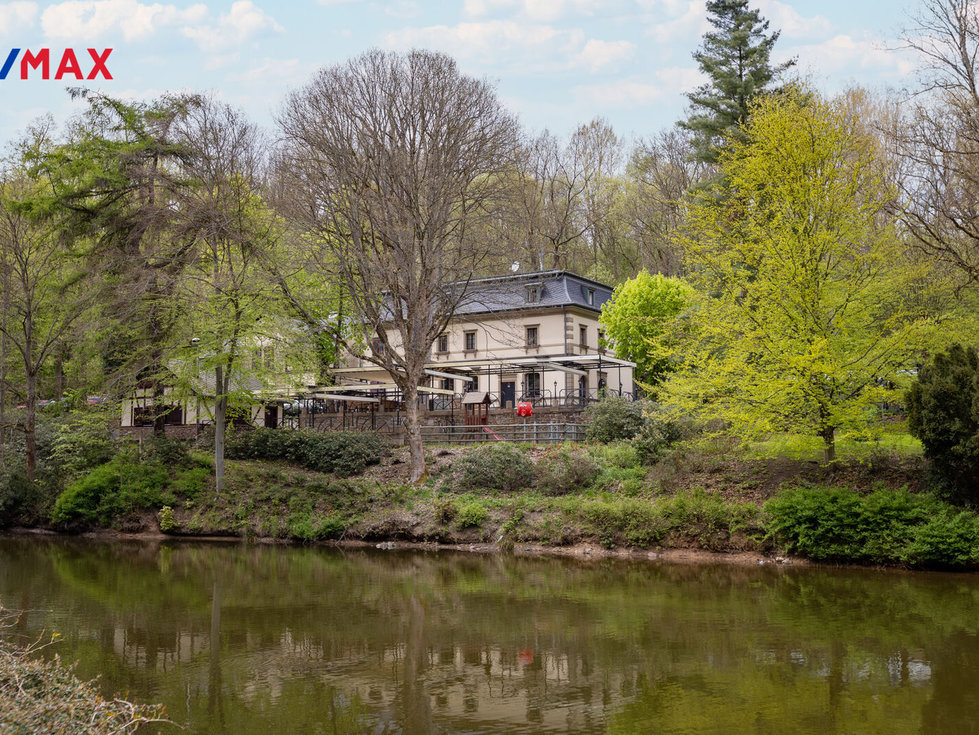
(812, 311)
(640, 321)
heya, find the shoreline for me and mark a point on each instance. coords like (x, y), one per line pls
(579, 551)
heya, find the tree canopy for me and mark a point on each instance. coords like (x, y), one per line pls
(807, 327)
(639, 321)
(736, 56)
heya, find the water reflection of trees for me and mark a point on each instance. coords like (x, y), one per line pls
(423, 642)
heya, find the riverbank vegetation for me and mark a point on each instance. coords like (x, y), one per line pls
(672, 485)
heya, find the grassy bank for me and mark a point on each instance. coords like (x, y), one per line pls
(714, 494)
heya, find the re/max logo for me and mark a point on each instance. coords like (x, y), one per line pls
(69, 65)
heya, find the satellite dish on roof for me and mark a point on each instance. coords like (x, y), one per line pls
(515, 266)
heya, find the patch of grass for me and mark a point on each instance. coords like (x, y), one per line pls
(795, 446)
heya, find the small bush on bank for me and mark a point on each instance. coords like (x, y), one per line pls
(660, 433)
(613, 418)
(565, 470)
(884, 527)
(342, 452)
(501, 468)
(113, 490)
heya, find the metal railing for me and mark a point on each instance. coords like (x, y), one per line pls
(533, 432)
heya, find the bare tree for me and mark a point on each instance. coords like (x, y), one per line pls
(940, 142)
(397, 158)
(660, 173)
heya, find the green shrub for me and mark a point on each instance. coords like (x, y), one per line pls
(330, 527)
(83, 440)
(496, 467)
(565, 470)
(167, 523)
(660, 432)
(943, 412)
(472, 515)
(167, 451)
(191, 482)
(886, 526)
(613, 418)
(17, 493)
(342, 452)
(112, 490)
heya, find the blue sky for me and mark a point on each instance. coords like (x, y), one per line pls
(557, 63)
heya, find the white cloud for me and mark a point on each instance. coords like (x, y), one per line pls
(687, 21)
(622, 93)
(87, 20)
(634, 92)
(844, 54)
(520, 44)
(598, 54)
(17, 16)
(792, 24)
(538, 10)
(270, 70)
(244, 21)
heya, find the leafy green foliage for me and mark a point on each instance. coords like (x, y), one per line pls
(613, 418)
(111, 491)
(639, 317)
(807, 327)
(342, 452)
(736, 57)
(472, 515)
(886, 526)
(943, 412)
(167, 523)
(501, 468)
(660, 432)
(567, 469)
(84, 440)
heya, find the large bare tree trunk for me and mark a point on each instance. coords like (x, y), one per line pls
(220, 420)
(413, 433)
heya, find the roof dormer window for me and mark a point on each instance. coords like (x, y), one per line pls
(591, 297)
(533, 294)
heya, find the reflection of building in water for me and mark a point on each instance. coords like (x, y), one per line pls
(484, 687)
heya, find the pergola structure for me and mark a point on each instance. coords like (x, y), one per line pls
(353, 382)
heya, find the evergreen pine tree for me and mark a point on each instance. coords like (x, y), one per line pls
(736, 57)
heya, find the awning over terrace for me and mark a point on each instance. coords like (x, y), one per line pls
(575, 364)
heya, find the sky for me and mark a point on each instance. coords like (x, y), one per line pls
(556, 63)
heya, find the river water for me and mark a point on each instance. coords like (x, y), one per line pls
(259, 639)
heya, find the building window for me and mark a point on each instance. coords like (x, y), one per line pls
(583, 336)
(533, 294)
(470, 341)
(474, 383)
(533, 385)
(448, 384)
(591, 297)
(532, 337)
(443, 343)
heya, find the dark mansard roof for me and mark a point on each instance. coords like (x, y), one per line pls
(517, 292)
